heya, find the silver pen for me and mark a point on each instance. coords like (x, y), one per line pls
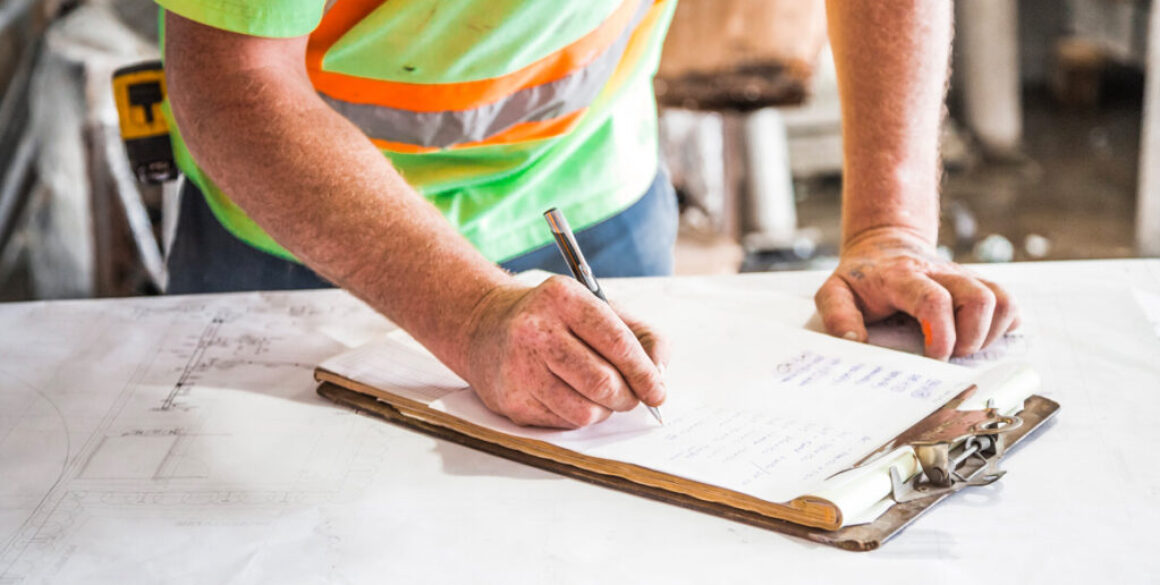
(566, 241)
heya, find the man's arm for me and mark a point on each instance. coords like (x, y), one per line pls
(551, 355)
(892, 60)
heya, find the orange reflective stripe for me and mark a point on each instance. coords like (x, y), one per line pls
(636, 46)
(521, 132)
(451, 96)
(337, 21)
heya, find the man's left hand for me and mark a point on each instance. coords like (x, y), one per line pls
(886, 270)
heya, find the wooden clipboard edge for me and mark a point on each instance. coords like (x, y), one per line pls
(369, 405)
(810, 511)
(865, 537)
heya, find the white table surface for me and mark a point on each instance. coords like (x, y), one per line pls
(180, 440)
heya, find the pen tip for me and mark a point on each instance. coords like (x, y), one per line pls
(656, 412)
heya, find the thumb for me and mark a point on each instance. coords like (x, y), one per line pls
(839, 310)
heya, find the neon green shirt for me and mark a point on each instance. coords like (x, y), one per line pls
(494, 110)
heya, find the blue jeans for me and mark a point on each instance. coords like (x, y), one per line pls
(205, 257)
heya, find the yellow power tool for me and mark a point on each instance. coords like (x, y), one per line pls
(139, 91)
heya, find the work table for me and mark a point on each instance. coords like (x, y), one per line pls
(180, 440)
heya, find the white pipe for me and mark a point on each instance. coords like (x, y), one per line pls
(771, 210)
(988, 34)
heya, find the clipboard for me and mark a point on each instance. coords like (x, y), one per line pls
(957, 449)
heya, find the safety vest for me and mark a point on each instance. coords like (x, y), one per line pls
(494, 110)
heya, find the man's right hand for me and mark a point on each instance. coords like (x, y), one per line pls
(553, 355)
(557, 356)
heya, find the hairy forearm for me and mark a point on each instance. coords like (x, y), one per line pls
(324, 192)
(892, 60)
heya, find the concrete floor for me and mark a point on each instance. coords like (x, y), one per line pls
(1077, 186)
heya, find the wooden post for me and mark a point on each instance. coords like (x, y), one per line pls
(1148, 199)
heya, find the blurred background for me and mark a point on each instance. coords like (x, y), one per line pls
(1046, 146)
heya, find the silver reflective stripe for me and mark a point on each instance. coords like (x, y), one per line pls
(542, 102)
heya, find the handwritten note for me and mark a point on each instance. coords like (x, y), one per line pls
(754, 406)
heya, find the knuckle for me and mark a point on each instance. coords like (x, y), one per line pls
(832, 321)
(1001, 297)
(644, 387)
(936, 297)
(826, 300)
(590, 415)
(622, 345)
(828, 287)
(904, 265)
(894, 272)
(652, 395)
(602, 384)
(647, 381)
(821, 297)
(1014, 318)
(568, 410)
(1002, 312)
(1004, 306)
(557, 287)
(981, 298)
(558, 353)
(553, 282)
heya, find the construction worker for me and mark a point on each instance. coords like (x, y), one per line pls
(405, 150)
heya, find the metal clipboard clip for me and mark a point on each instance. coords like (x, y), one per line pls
(958, 445)
(955, 449)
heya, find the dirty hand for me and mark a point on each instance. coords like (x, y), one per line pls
(557, 356)
(886, 270)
